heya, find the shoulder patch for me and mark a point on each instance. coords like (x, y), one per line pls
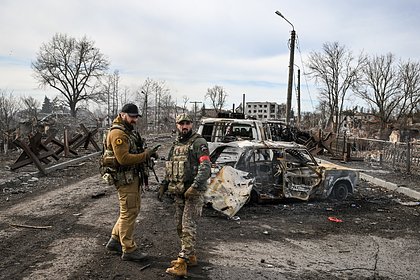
(118, 141)
(204, 148)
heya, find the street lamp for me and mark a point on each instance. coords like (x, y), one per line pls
(279, 14)
(291, 63)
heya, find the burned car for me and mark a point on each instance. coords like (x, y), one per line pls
(245, 171)
(217, 131)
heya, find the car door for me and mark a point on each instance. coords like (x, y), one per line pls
(301, 178)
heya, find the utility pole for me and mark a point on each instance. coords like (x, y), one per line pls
(195, 111)
(108, 105)
(291, 63)
(144, 115)
(243, 104)
(157, 110)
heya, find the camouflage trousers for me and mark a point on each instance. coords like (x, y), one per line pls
(187, 212)
(129, 200)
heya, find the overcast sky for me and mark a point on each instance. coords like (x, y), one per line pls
(241, 45)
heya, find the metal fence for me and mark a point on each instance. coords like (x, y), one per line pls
(402, 156)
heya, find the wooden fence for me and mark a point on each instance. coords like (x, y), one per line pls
(402, 156)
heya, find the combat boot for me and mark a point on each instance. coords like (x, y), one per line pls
(179, 268)
(136, 255)
(192, 261)
(114, 245)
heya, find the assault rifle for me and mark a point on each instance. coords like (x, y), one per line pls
(150, 165)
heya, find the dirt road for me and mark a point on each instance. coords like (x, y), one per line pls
(58, 231)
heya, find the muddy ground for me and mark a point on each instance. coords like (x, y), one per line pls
(55, 227)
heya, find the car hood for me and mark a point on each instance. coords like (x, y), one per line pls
(229, 190)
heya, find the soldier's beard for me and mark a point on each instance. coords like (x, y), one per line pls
(185, 133)
(129, 121)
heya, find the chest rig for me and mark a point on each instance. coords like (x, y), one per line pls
(180, 169)
(134, 140)
(112, 172)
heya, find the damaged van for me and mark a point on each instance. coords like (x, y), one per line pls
(245, 171)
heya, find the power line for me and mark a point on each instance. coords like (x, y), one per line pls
(304, 73)
(195, 111)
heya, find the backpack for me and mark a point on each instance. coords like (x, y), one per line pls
(108, 164)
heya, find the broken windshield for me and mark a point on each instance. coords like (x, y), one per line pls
(300, 157)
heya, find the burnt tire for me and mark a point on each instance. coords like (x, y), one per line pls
(254, 197)
(340, 191)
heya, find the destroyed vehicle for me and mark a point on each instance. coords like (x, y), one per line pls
(245, 171)
(224, 130)
(227, 130)
(280, 131)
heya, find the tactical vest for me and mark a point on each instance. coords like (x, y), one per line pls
(179, 170)
(112, 172)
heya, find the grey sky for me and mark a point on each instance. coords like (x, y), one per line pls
(241, 45)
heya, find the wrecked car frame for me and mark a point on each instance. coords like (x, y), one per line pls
(217, 131)
(272, 171)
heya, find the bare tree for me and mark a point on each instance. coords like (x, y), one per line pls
(161, 91)
(336, 71)
(185, 101)
(31, 107)
(311, 120)
(217, 96)
(71, 66)
(323, 110)
(110, 96)
(144, 96)
(151, 95)
(168, 107)
(125, 95)
(9, 106)
(382, 87)
(409, 73)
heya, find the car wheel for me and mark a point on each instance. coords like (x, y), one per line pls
(255, 198)
(340, 191)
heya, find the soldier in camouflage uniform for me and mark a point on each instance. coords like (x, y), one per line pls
(187, 171)
(123, 161)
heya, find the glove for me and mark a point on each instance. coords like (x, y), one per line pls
(155, 148)
(191, 192)
(153, 152)
(162, 189)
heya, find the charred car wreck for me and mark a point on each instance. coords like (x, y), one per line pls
(244, 171)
